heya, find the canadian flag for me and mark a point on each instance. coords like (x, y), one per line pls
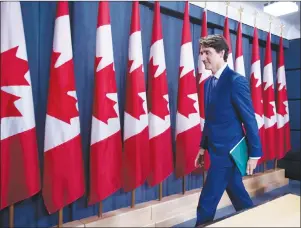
(269, 108)
(228, 38)
(63, 180)
(188, 132)
(136, 160)
(161, 157)
(256, 87)
(203, 74)
(19, 163)
(239, 58)
(106, 145)
(284, 138)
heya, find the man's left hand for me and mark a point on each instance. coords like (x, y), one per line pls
(251, 165)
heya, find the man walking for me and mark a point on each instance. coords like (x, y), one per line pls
(228, 105)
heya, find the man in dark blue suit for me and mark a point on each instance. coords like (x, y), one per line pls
(228, 106)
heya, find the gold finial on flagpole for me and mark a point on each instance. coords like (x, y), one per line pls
(227, 6)
(240, 10)
(255, 17)
(270, 19)
(281, 29)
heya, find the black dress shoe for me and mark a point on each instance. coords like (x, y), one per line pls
(198, 225)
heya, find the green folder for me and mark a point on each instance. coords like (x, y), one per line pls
(239, 153)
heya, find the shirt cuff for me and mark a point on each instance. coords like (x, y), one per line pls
(255, 157)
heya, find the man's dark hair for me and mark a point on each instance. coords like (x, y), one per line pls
(217, 42)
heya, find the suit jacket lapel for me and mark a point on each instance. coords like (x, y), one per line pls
(219, 86)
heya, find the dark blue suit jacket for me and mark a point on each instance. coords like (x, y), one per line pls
(227, 106)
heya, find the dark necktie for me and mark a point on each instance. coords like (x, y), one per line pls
(214, 81)
(213, 85)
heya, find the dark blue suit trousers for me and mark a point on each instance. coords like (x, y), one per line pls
(218, 180)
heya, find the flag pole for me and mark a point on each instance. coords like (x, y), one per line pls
(240, 11)
(255, 20)
(227, 6)
(204, 176)
(255, 15)
(203, 168)
(100, 209)
(60, 223)
(160, 191)
(133, 199)
(183, 185)
(270, 26)
(281, 32)
(11, 216)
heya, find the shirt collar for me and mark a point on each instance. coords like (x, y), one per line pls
(220, 71)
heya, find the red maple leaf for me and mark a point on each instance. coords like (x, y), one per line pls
(13, 70)
(256, 93)
(156, 90)
(8, 108)
(134, 85)
(187, 86)
(61, 105)
(282, 96)
(103, 107)
(268, 97)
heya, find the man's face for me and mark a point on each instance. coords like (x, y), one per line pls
(211, 59)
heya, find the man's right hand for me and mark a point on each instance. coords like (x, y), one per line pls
(198, 158)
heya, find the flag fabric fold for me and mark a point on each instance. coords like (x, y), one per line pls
(256, 88)
(239, 58)
(188, 129)
(161, 157)
(19, 162)
(63, 181)
(136, 159)
(269, 106)
(283, 126)
(228, 38)
(203, 75)
(106, 144)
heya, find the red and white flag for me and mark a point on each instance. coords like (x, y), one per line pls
(256, 87)
(19, 163)
(161, 157)
(270, 123)
(106, 144)
(239, 58)
(283, 132)
(228, 38)
(188, 131)
(203, 75)
(63, 180)
(136, 159)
